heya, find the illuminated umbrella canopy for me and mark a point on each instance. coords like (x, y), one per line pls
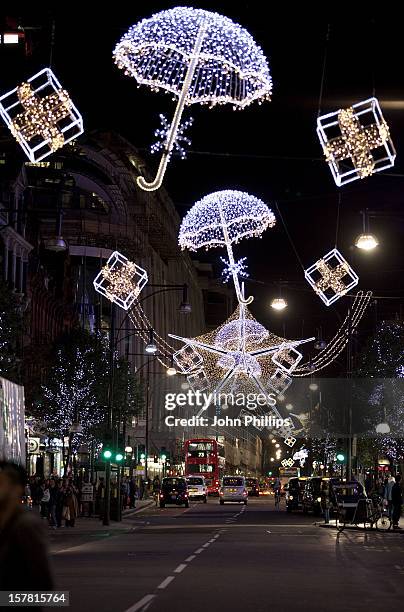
(223, 218)
(199, 56)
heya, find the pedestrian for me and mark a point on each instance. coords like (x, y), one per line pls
(24, 562)
(325, 501)
(132, 492)
(59, 503)
(397, 501)
(45, 501)
(70, 505)
(387, 494)
(53, 493)
(142, 488)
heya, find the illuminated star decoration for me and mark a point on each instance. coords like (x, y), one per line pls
(120, 280)
(222, 219)
(180, 142)
(201, 57)
(363, 147)
(238, 267)
(331, 277)
(239, 352)
(41, 115)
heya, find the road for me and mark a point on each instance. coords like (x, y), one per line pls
(218, 558)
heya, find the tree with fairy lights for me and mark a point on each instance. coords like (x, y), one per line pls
(383, 360)
(76, 390)
(10, 324)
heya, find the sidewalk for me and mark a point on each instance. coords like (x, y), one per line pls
(332, 525)
(85, 524)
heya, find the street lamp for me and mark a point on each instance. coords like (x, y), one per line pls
(171, 371)
(366, 241)
(279, 303)
(151, 347)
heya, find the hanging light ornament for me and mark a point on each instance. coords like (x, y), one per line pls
(224, 218)
(40, 115)
(120, 280)
(364, 146)
(366, 242)
(200, 57)
(331, 277)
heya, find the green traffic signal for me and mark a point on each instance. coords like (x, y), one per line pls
(107, 454)
(340, 457)
(143, 456)
(118, 457)
(269, 473)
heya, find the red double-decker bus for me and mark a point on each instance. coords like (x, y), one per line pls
(203, 457)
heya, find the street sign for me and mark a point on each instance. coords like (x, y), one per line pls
(87, 492)
(33, 446)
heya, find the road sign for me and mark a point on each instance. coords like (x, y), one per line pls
(87, 492)
(33, 446)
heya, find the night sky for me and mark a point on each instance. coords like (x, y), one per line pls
(271, 150)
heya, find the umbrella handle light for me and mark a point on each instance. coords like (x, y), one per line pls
(172, 135)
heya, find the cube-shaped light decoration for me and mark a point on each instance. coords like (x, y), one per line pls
(331, 277)
(290, 441)
(356, 141)
(198, 381)
(41, 115)
(187, 359)
(279, 381)
(287, 462)
(120, 280)
(287, 357)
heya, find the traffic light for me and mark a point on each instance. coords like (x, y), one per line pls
(119, 456)
(269, 473)
(164, 454)
(141, 452)
(340, 457)
(106, 454)
(109, 452)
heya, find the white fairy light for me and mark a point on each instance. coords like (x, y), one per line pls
(120, 280)
(364, 146)
(180, 142)
(335, 347)
(221, 219)
(238, 267)
(40, 115)
(201, 57)
(331, 277)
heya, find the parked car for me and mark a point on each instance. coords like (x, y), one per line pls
(197, 488)
(233, 489)
(253, 487)
(174, 490)
(294, 491)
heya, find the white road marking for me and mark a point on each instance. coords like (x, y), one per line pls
(166, 582)
(180, 568)
(141, 603)
(212, 540)
(206, 545)
(190, 558)
(268, 531)
(198, 551)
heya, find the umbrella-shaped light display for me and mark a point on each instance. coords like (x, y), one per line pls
(197, 55)
(223, 218)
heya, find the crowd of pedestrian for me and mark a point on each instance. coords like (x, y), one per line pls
(57, 499)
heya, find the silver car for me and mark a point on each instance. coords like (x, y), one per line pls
(197, 488)
(233, 489)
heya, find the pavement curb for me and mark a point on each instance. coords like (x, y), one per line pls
(126, 513)
(353, 528)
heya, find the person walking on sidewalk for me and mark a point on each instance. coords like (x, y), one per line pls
(397, 501)
(24, 561)
(387, 494)
(325, 502)
(70, 505)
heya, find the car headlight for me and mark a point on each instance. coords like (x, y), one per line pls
(319, 499)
